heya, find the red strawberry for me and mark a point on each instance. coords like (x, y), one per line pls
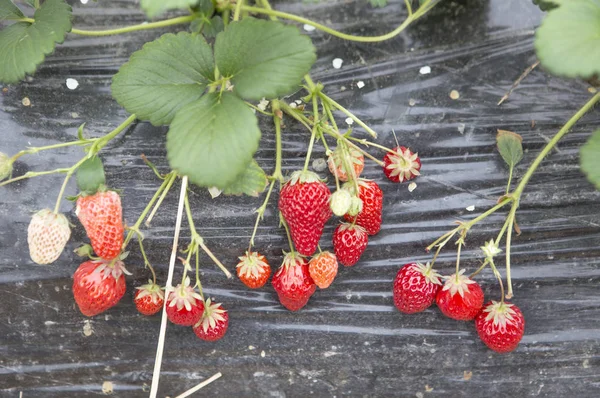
(253, 270)
(47, 235)
(98, 286)
(415, 287)
(401, 164)
(349, 243)
(102, 217)
(500, 326)
(461, 298)
(323, 268)
(338, 165)
(304, 203)
(184, 305)
(293, 283)
(213, 324)
(293, 304)
(149, 298)
(372, 198)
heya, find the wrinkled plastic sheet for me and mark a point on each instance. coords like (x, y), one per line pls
(349, 340)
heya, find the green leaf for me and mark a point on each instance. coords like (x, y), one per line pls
(378, 3)
(164, 76)
(80, 132)
(547, 5)
(90, 175)
(24, 46)
(212, 140)
(265, 59)
(204, 7)
(568, 40)
(213, 27)
(153, 8)
(251, 182)
(589, 158)
(510, 146)
(9, 11)
(208, 27)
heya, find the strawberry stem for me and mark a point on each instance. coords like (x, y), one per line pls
(511, 217)
(198, 283)
(146, 262)
(287, 231)
(238, 8)
(72, 170)
(170, 180)
(370, 143)
(275, 105)
(485, 263)
(499, 277)
(337, 106)
(261, 211)
(256, 108)
(135, 229)
(313, 133)
(459, 243)
(425, 7)
(197, 240)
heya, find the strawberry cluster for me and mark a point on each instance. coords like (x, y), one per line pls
(500, 325)
(306, 204)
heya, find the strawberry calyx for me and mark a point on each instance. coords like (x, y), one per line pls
(151, 290)
(110, 268)
(252, 264)
(213, 314)
(501, 313)
(403, 164)
(303, 177)
(184, 296)
(458, 283)
(350, 226)
(431, 275)
(291, 259)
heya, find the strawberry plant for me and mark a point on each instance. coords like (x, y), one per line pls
(231, 64)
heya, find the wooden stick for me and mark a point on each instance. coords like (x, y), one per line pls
(199, 386)
(168, 289)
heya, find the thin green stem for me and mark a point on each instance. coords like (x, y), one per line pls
(32, 150)
(198, 240)
(369, 143)
(31, 174)
(261, 212)
(226, 15)
(511, 218)
(460, 243)
(135, 229)
(169, 180)
(313, 133)
(102, 141)
(485, 263)
(499, 277)
(337, 106)
(287, 231)
(133, 28)
(278, 146)
(510, 176)
(198, 283)
(408, 7)
(552, 143)
(146, 262)
(72, 170)
(265, 4)
(333, 32)
(256, 108)
(238, 8)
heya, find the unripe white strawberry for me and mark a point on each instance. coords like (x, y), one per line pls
(5, 166)
(340, 202)
(356, 206)
(47, 235)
